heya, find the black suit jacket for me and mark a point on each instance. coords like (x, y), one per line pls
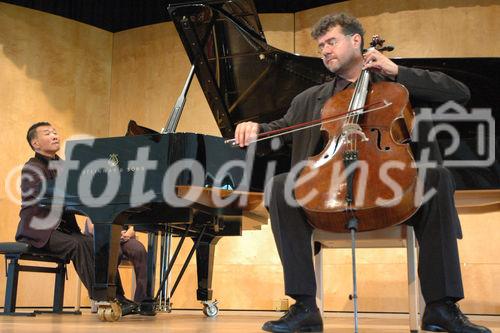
(33, 175)
(426, 89)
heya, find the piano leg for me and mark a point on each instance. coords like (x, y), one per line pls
(151, 265)
(204, 266)
(106, 249)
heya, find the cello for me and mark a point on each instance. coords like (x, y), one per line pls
(365, 176)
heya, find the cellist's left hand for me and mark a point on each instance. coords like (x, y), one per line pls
(377, 62)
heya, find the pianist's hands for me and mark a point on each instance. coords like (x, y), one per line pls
(128, 234)
(246, 133)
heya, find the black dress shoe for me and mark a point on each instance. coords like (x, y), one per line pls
(299, 318)
(128, 307)
(447, 317)
(147, 308)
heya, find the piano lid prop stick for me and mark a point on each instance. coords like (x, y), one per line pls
(175, 115)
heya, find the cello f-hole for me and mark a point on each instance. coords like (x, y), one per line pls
(379, 140)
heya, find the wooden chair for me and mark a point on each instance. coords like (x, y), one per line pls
(393, 237)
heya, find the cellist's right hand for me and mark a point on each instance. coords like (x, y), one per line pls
(246, 133)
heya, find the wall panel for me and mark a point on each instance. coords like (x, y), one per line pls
(52, 69)
(417, 28)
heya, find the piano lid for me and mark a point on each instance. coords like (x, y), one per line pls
(244, 78)
(236, 67)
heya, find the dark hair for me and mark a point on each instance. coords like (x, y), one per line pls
(350, 25)
(32, 131)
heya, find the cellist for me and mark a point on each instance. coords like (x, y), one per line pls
(339, 39)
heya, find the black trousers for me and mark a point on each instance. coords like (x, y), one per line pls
(79, 249)
(436, 227)
(134, 251)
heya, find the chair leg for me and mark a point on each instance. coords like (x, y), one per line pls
(11, 290)
(421, 300)
(59, 288)
(318, 271)
(421, 305)
(413, 289)
(78, 297)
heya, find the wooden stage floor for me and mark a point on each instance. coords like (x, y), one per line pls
(195, 322)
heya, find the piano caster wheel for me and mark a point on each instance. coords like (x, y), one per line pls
(210, 309)
(109, 312)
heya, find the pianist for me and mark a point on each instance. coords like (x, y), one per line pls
(340, 42)
(61, 238)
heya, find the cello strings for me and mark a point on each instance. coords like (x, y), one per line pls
(355, 105)
(357, 102)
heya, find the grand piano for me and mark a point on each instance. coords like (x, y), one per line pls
(238, 72)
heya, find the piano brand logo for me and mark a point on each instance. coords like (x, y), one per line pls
(113, 160)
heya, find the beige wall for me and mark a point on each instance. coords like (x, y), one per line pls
(417, 28)
(90, 81)
(149, 70)
(51, 69)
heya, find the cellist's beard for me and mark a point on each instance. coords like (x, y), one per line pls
(333, 64)
(345, 68)
(337, 65)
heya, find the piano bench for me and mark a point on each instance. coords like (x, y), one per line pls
(16, 251)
